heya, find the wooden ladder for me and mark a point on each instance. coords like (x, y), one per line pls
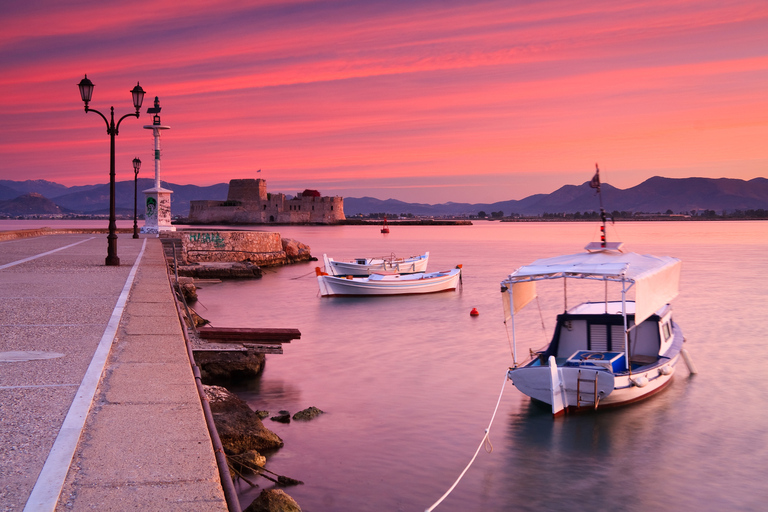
(584, 401)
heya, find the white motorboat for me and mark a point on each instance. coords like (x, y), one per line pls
(388, 284)
(605, 353)
(366, 266)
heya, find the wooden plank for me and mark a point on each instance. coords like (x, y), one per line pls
(262, 349)
(241, 334)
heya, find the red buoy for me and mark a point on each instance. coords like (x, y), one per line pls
(474, 312)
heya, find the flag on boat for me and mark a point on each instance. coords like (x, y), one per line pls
(595, 183)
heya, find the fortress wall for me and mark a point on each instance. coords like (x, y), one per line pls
(220, 246)
(247, 190)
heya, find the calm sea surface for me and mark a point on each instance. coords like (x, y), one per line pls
(409, 383)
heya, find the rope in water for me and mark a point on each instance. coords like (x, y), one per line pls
(484, 442)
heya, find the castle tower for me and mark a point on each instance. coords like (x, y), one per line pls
(157, 216)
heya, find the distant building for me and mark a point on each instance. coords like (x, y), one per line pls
(249, 203)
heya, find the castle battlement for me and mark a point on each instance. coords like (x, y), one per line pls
(248, 202)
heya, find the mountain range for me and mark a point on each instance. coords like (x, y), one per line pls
(655, 195)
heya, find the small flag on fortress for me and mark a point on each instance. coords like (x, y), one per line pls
(595, 183)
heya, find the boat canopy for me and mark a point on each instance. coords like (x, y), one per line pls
(656, 279)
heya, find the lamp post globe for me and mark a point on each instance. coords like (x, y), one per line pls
(137, 94)
(86, 91)
(136, 166)
(138, 97)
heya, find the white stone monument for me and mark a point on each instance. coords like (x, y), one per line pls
(157, 212)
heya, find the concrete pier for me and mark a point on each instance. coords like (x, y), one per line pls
(98, 403)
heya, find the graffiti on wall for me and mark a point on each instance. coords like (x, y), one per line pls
(164, 210)
(208, 237)
(151, 208)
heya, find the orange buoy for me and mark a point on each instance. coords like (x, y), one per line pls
(474, 312)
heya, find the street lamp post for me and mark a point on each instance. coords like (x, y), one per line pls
(136, 165)
(86, 90)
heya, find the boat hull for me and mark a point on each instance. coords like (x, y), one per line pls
(368, 266)
(384, 285)
(568, 389)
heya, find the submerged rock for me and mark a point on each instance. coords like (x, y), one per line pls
(239, 427)
(282, 417)
(273, 500)
(307, 414)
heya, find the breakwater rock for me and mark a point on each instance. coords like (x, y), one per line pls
(240, 428)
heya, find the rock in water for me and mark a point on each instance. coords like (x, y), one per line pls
(295, 250)
(282, 417)
(273, 500)
(240, 428)
(308, 414)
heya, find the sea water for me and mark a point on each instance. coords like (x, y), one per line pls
(409, 384)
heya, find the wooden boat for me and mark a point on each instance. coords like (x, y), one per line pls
(605, 353)
(388, 284)
(366, 266)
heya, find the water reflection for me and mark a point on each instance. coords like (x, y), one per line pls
(408, 385)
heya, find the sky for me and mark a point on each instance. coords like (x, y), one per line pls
(422, 101)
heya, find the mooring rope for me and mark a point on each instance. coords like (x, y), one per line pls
(484, 442)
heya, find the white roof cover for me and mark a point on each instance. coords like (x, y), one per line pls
(656, 278)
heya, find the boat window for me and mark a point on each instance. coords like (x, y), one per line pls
(598, 338)
(617, 337)
(667, 331)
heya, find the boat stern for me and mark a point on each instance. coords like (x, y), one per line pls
(562, 387)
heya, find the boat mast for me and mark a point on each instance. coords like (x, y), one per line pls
(595, 183)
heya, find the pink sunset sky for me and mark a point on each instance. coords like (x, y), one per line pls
(422, 101)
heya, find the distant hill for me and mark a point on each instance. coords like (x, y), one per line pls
(655, 195)
(29, 204)
(95, 200)
(45, 188)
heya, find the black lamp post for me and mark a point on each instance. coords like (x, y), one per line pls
(136, 166)
(86, 90)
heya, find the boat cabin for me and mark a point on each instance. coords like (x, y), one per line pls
(594, 331)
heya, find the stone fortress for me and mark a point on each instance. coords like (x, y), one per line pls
(249, 203)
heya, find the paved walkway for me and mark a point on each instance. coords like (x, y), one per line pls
(72, 330)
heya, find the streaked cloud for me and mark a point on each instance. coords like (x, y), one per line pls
(429, 101)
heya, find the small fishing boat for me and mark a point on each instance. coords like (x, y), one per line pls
(388, 284)
(604, 353)
(366, 266)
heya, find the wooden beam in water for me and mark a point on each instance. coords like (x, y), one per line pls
(245, 334)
